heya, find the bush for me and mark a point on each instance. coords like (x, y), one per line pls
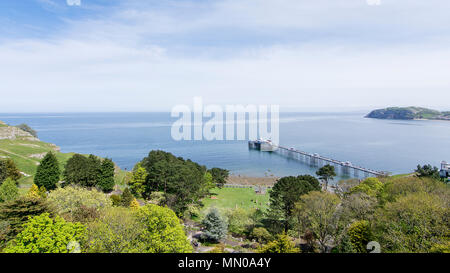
(360, 235)
(68, 199)
(8, 169)
(261, 235)
(281, 244)
(215, 226)
(8, 190)
(42, 234)
(239, 221)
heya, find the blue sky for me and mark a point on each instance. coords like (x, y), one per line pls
(110, 55)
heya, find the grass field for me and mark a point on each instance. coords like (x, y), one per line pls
(229, 198)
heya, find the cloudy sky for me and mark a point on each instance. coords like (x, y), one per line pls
(110, 55)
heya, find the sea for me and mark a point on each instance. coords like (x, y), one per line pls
(395, 146)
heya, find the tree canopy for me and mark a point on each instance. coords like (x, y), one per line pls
(48, 173)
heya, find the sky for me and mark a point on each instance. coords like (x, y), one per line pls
(304, 55)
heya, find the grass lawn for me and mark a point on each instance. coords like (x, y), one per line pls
(230, 198)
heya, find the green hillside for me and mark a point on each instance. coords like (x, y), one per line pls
(27, 152)
(408, 113)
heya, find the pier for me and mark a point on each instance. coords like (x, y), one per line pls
(317, 160)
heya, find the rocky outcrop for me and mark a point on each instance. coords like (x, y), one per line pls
(12, 133)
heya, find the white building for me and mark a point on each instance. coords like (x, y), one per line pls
(445, 169)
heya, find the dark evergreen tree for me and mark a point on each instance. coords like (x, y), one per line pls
(106, 182)
(83, 171)
(8, 169)
(48, 173)
(127, 197)
(326, 173)
(283, 196)
(219, 176)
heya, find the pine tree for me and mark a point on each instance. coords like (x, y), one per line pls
(137, 181)
(8, 190)
(127, 198)
(106, 182)
(216, 227)
(48, 173)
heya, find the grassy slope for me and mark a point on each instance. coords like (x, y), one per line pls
(20, 150)
(228, 198)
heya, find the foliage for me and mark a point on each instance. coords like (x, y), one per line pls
(8, 190)
(126, 198)
(219, 176)
(68, 199)
(35, 192)
(27, 129)
(85, 214)
(116, 200)
(83, 171)
(413, 223)
(106, 181)
(16, 212)
(285, 193)
(48, 173)
(163, 230)
(215, 226)
(134, 204)
(137, 181)
(281, 244)
(219, 248)
(117, 230)
(326, 173)
(239, 221)
(427, 171)
(360, 235)
(317, 212)
(8, 169)
(43, 234)
(182, 181)
(261, 235)
(371, 186)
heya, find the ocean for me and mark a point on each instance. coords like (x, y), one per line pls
(395, 146)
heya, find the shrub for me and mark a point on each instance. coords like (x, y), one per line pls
(215, 226)
(8, 190)
(116, 200)
(239, 221)
(281, 244)
(43, 234)
(68, 199)
(360, 235)
(261, 235)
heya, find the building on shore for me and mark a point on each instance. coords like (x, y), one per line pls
(445, 169)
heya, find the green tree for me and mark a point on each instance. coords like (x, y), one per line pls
(83, 171)
(239, 220)
(261, 235)
(427, 171)
(371, 186)
(219, 176)
(326, 174)
(317, 212)
(27, 129)
(8, 190)
(67, 200)
(8, 169)
(163, 230)
(17, 212)
(360, 234)
(285, 193)
(106, 182)
(48, 173)
(43, 234)
(215, 225)
(126, 198)
(137, 181)
(281, 244)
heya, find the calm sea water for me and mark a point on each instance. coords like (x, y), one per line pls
(394, 146)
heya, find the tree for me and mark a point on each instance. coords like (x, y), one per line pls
(106, 183)
(28, 129)
(48, 173)
(8, 169)
(215, 226)
(83, 171)
(137, 181)
(182, 181)
(281, 244)
(219, 176)
(371, 186)
(413, 223)
(427, 171)
(17, 212)
(8, 190)
(261, 235)
(239, 220)
(43, 234)
(326, 173)
(317, 212)
(360, 235)
(67, 200)
(285, 193)
(163, 230)
(127, 198)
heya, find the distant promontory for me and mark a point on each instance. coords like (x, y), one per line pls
(408, 113)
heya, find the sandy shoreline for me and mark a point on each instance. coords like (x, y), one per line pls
(248, 180)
